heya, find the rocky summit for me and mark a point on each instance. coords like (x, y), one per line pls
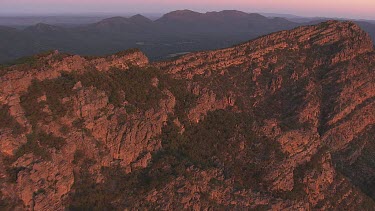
(282, 122)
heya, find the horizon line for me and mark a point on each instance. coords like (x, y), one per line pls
(103, 13)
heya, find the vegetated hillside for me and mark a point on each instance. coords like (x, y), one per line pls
(284, 121)
(367, 25)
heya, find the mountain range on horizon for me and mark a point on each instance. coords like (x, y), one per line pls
(24, 20)
(173, 34)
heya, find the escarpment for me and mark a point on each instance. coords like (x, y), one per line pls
(284, 121)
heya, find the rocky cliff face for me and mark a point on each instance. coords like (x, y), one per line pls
(281, 122)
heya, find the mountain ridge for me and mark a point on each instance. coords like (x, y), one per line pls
(278, 122)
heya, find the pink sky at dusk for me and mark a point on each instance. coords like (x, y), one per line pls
(327, 8)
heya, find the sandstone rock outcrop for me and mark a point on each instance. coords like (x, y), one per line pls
(281, 122)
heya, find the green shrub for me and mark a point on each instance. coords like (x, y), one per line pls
(8, 121)
(132, 85)
(38, 143)
(3, 70)
(13, 173)
(130, 109)
(55, 90)
(39, 191)
(126, 190)
(64, 130)
(32, 146)
(78, 156)
(127, 52)
(34, 61)
(184, 98)
(215, 141)
(79, 123)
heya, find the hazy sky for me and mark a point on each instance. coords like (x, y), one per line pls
(328, 8)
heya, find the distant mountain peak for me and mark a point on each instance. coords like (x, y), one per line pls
(111, 22)
(139, 19)
(230, 12)
(178, 14)
(182, 12)
(115, 19)
(138, 16)
(43, 27)
(188, 15)
(193, 13)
